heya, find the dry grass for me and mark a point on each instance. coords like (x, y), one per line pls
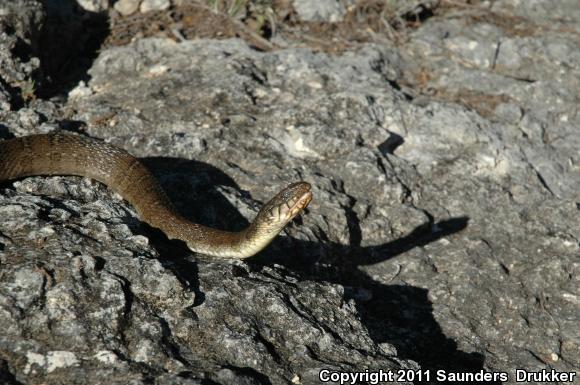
(483, 104)
(259, 20)
(188, 21)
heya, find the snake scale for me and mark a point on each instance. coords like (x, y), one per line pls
(62, 153)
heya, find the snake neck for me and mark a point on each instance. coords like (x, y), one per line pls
(226, 244)
(217, 243)
(209, 241)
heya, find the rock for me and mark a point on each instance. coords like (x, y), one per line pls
(154, 5)
(94, 5)
(531, 84)
(443, 233)
(127, 7)
(22, 19)
(322, 10)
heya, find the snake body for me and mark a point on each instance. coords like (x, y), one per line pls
(62, 153)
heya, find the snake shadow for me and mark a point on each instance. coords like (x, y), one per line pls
(401, 315)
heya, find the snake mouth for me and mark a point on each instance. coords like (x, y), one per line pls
(295, 205)
(286, 205)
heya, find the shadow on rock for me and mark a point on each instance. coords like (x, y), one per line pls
(191, 186)
(5, 132)
(399, 315)
(68, 43)
(6, 377)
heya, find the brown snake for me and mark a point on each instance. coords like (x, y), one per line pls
(62, 153)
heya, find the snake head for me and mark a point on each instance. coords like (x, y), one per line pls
(271, 219)
(288, 203)
(273, 216)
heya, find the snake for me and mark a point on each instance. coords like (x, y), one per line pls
(66, 153)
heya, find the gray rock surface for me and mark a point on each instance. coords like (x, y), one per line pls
(444, 231)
